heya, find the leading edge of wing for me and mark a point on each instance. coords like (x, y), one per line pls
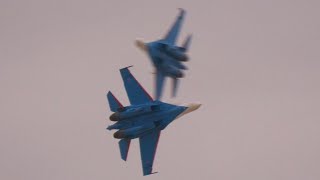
(148, 147)
(136, 93)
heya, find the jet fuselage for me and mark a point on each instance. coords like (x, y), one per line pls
(166, 57)
(144, 119)
(134, 121)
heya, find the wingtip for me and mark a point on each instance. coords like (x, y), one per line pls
(127, 67)
(124, 70)
(182, 11)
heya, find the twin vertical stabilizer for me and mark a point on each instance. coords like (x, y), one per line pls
(114, 103)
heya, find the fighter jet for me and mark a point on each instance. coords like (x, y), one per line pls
(144, 118)
(167, 57)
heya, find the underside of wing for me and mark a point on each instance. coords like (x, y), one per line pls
(136, 93)
(173, 33)
(148, 147)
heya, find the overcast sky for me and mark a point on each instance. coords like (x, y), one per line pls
(254, 66)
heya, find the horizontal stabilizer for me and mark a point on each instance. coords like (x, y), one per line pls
(114, 103)
(124, 145)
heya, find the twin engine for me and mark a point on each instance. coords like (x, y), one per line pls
(133, 132)
(176, 53)
(126, 113)
(174, 72)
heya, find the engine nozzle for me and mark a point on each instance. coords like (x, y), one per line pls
(115, 117)
(119, 135)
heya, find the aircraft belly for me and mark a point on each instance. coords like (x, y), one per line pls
(134, 132)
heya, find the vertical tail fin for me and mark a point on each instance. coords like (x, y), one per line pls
(187, 43)
(114, 103)
(124, 145)
(136, 93)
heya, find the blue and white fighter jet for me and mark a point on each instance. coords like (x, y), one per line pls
(145, 118)
(167, 57)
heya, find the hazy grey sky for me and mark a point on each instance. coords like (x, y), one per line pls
(254, 67)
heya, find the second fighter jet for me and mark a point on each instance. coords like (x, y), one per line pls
(167, 57)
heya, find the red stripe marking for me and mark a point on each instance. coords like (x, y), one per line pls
(118, 102)
(141, 86)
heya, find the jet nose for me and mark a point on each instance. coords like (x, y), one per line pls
(140, 44)
(189, 108)
(115, 116)
(193, 106)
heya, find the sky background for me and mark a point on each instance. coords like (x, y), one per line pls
(254, 66)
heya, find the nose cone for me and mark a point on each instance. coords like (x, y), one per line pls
(140, 44)
(115, 116)
(189, 108)
(192, 107)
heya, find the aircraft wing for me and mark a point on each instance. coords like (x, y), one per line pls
(159, 80)
(135, 92)
(173, 33)
(148, 147)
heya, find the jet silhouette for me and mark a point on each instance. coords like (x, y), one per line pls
(144, 118)
(167, 57)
